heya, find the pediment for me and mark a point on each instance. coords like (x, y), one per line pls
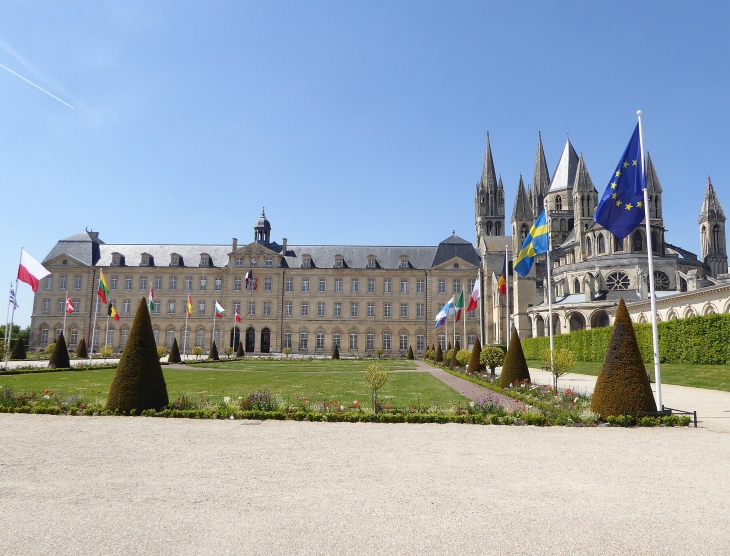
(253, 249)
(65, 260)
(450, 265)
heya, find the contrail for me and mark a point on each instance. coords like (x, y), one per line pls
(36, 86)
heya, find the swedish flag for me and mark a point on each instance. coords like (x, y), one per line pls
(621, 208)
(535, 243)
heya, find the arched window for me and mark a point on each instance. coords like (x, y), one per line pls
(442, 341)
(589, 247)
(370, 340)
(200, 337)
(563, 225)
(682, 284)
(654, 242)
(576, 286)
(320, 340)
(44, 335)
(403, 341)
(540, 326)
(170, 337)
(336, 339)
(558, 203)
(287, 339)
(661, 281)
(489, 228)
(497, 229)
(618, 244)
(638, 241)
(303, 340)
(353, 340)
(601, 244)
(716, 239)
(125, 336)
(386, 341)
(420, 341)
(577, 322)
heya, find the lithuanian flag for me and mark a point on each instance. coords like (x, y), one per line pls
(103, 287)
(112, 312)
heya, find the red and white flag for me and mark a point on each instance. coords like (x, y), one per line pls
(69, 305)
(30, 271)
(238, 316)
(475, 294)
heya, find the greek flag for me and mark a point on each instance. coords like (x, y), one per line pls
(12, 297)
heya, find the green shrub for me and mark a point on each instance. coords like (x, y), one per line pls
(514, 368)
(475, 365)
(492, 357)
(138, 382)
(106, 351)
(239, 350)
(335, 352)
(452, 360)
(59, 357)
(81, 351)
(228, 351)
(410, 353)
(622, 385)
(439, 356)
(197, 351)
(161, 352)
(447, 357)
(49, 348)
(213, 352)
(463, 356)
(174, 353)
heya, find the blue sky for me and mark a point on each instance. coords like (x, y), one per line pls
(351, 122)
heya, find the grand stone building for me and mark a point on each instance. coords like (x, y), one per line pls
(591, 268)
(307, 297)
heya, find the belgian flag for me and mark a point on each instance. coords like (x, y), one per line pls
(112, 312)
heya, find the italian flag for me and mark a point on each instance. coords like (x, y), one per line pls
(152, 299)
(219, 311)
(475, 294)
(103, 290)
(459, 306)
(30, 271)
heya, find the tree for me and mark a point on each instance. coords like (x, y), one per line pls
(622, 384)
(491, 357)
(475, 365)
(462, 357)
(228, 350)
(106, 351)
(59, 358)
(197, 351)
(515, 367)
(375, 378)
(239, 350)
(138, 382)
(335, 352)
(174, 353)
(213, 352)
(439, 357)
(161, 352)
(287, 352)
(81, 351)
(561, 364)
(410, 353)
(379, 352)
(18, 353)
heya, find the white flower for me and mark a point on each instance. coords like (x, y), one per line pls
(46, 397)
(471, 404)
(231, 417)
(226, 399)
(342, 408)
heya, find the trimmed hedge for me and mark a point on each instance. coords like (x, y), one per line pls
(695, 341)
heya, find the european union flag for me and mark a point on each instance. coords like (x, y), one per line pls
(535, 243)
(621, 208)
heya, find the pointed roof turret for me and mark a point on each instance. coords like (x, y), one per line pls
(489, 176)
(564, 175)
(652, 181)
(582, 178)
(522, 209)
(540, 176)
(711, 209)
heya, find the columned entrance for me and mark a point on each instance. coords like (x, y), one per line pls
(250, 339)
(235, 337)
(265, 340)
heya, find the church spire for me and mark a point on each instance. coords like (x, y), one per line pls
(522, 209)
(711, 209)
(489, 176)
(652, 180)
(583, 180)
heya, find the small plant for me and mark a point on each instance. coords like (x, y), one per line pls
(447, 357)
(50, 348)
(261, 400)
(463, 356)
(197, 351)
(228, 351)
(563, 362)
(375, 378)
(106, 351)
(81, 351)
(239, 350)
(491, 357)
(161, 352)
(379, 352)
(410, 353)
(287, 352)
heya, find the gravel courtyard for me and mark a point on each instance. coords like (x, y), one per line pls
(116, 485)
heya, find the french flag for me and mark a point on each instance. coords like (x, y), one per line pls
(30, 271)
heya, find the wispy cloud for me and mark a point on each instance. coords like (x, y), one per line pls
(36, 86)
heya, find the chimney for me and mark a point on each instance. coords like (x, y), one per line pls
(235, 244)
(283, 247)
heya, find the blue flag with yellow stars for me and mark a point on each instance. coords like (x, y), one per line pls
(621, 208)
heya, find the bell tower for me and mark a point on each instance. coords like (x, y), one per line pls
(712, 232)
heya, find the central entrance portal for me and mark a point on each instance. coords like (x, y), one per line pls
(265, 340)
(250, 339)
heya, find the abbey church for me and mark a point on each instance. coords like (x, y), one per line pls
(591, 268)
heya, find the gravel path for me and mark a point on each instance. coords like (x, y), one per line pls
(121, 485)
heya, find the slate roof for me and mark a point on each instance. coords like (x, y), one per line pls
(564, 175)
(522, 209)
(83, 247)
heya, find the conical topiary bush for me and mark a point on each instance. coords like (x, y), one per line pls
(514, 368)
(139, 383)
(18, 353)
(239, 350)
(622, 385)
(213, 352)
(448, 346)
(439, 357)
(453, 363)
(174, 356)
(81, 350)
(335, 352)
(410, 353)
(475, 365)
(59, 358)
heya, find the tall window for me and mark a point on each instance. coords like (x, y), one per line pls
(638, 241)
(403, 286)
(386, 310)
(269, 261)
(171, 308)
(370, 340)
(322, 285)
(558, 203)
(371, 310)
(156, 310)
(319, 340)
(170, 337)
(74, 336)
(601, 244)
(442, 341)
(471, 285)
(320, 308)
(353, 309)
(188, 283)
(173, 283)
(113, 282)
(442, 286)
(61, 306)
(338, 285)
(47, 305)
(62, 283)
(386, 341)
(305, 309)
(336, 339)
(251, 308)
(420, 286)
(77, 305)
(267, 308)
(239, 261)
(143, 282)
(218, 284)
(77, 282)
(201, 308)
(267, 284)
(237, 284)
(289, 285)
(420, 341)
(355, 285)
(158, 282)
(127, 306)
(127, 282)
(287, 309)
(44, 335)
(457, 286)
(305, 285)
(386, 286)
(125, 335)
(203, 283)
(338, 309)
(589, 247)
(49, 282)
(303, 340)
(287, 339)
(353, 340)
(200, 337)
(403, 341)
(420, 310)
(404, 310)
(371, 285)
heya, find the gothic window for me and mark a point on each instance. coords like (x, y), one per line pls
(654, 242)
(638, 241)
(589, 247)
(617, 281)
(716, 239)
(618, 244)
(661, 281)
(601, 244)
(576, 286)
(563, 225)
(497, 229)
(682, 285)
(558, 203)
(523, 233)
(489, 228)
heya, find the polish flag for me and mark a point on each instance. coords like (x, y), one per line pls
(30, 271)
(475, 294)
(69, 305)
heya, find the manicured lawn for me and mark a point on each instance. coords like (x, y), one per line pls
(713, 377)
(341, 381)
(307, 365)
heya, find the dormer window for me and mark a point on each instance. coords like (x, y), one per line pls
(269, 261)
(239, 261)
(372, 262)
(404, 262)
(306, 262)
(204, 259)
(339, 262)
(116, 259)
(147, 260)
(175, 260)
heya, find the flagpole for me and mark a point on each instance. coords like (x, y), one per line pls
(7, 314)
(187, 332)
(481, 307)
(106, 337)
(65, 312)
(463, 316)
(550, 295)
(214, 307)
(93, 328)
(12, 314)
(506, 286)
(654, 332)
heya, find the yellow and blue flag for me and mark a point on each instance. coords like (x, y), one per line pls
(621, 208)
(535, 243)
